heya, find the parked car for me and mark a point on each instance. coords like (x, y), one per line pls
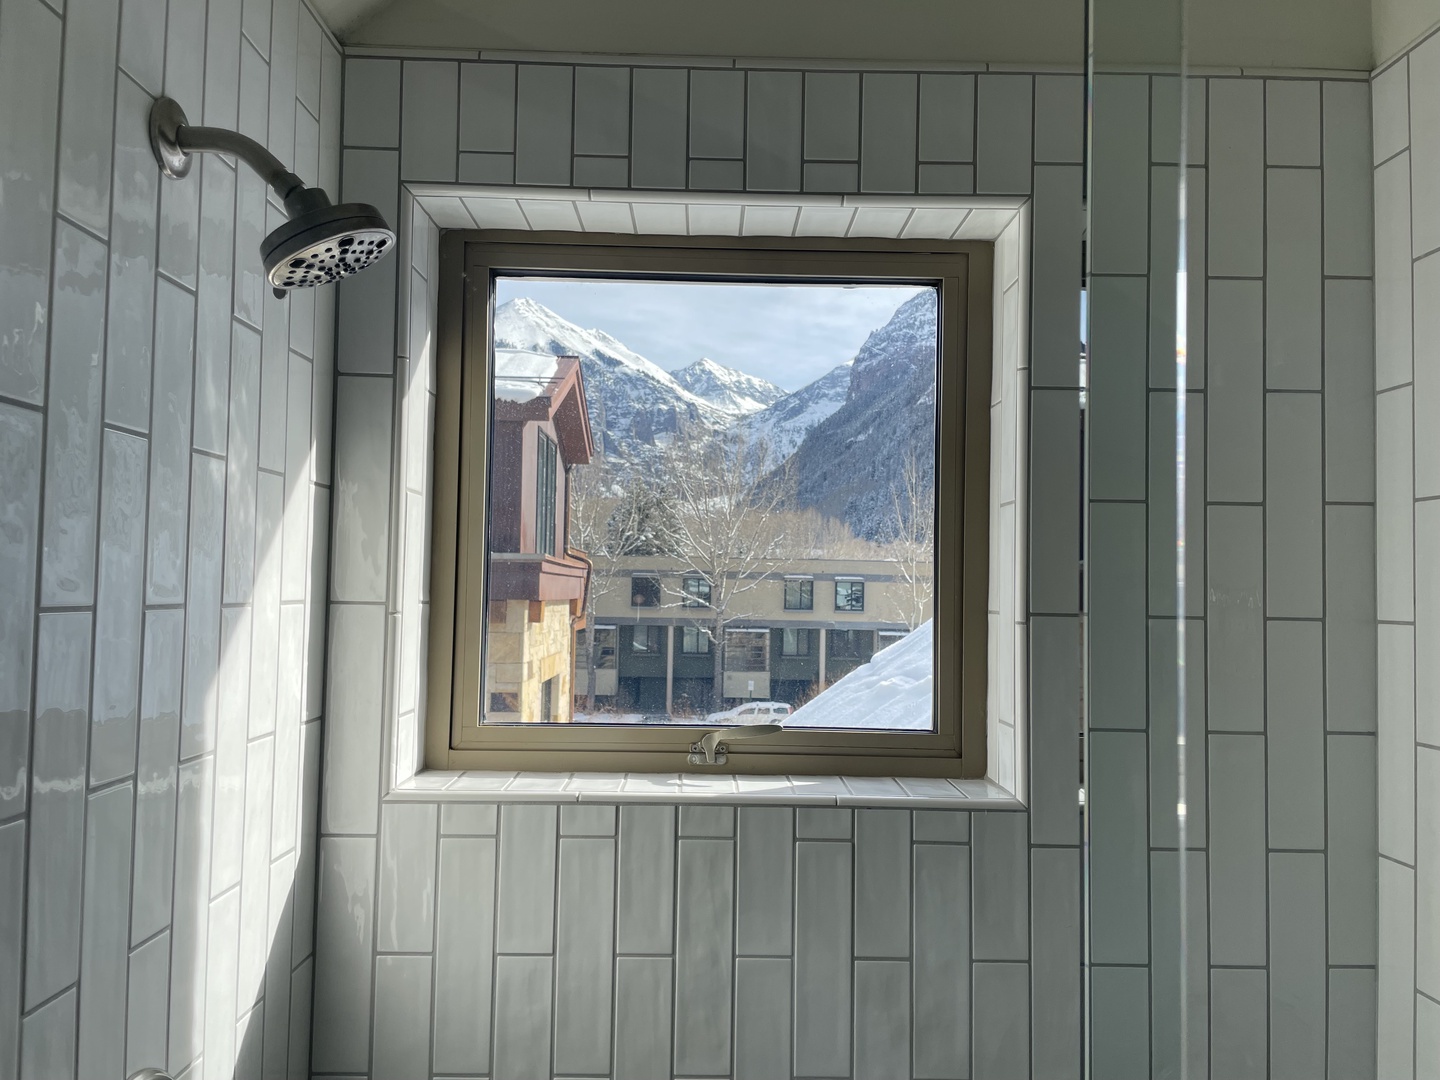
(752, 712)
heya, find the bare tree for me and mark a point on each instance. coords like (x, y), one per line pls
(729, 500)
(593, 502)
(911, 540)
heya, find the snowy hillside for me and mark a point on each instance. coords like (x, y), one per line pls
(893, 692)
(786, 423)
(728, 389)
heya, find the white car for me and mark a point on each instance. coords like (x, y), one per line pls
(752, 712)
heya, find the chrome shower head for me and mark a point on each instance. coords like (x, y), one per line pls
(320, 243)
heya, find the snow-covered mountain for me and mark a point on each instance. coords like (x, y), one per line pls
(785, 424)
(635, 405)
(728, 389)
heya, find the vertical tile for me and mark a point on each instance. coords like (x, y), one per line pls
(57, 805)
(1116, 799)
(308, 37)
(1293, 265)
(1235, 623)
(1055, 969)
(87, 113)
(1004, 106)
(1424, 143)
(372, 102)
(284, 20)
(1117, 649)
(822, 958)
(365, 341)
(1059, 118)
(170, 445)
(12, 940)
(487, 107)
(1121, 155)
(239, 565)
(1349, 225)
(307, 846)
(363, 410)
(646, 897)
(468, 819)
(643, 1004)
(1426, 375)
(1001, 1021)
(265, 648)
(249, 284)
(773, 140)
(882, 883)
(147, 997)
(717, 114)
(602, 111)
(1297, 965)
(20, 448)
(202, 623)
(1295, 730)
(220, 973)
(1055, 728)
(1165, 95)
(584, 950)
(1179, 1021)
(1001, 917)
(1395, 767)
(1349, 390)
(214, 304)
(1239, 1044)
(762, 1017)
(402, 1009)
(129, 325)
(30, 71)
(1390, 91)
(184, 81)
(1294, 522)
(1057, 222)
(1166, 795)
(105, 932)
(1236, 177)
(1351, 847)
(1394, 506)
(543, 125)
(1427, 870)
(1119, 1037)
(522, 1017)
(704, 947)
(464, 938)
(832, 116)
(72, 438)
(527, 879)
(1117, 382)
(882, 1019)
(1164, 537)
(429, 120)
(47, 1041)
(1164, 261)
(1054, 570)
(888, 119)
(405, 907)
(232, 714)
(1395, 992)
(1427, 1042)
(352, 746)
(947, 117)
(707, 821)
(344, 917)
(1351, 1027)
(301, 1018)
(764, 885)
(1350, 678)
(1393, 299)
(1292, 122)
(941, 967)
(288, 738)
(190, 921)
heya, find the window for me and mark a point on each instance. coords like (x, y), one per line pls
(648, 640)
(585, 476)
(697, 592)
(885, 638)
(799, 594)
(747, 650)
(849, 594)
(545, 465)
(795, 642)
(644, 591)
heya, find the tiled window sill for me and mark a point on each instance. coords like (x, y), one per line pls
(916, 793)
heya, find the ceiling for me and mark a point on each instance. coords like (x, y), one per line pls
(1223, 33)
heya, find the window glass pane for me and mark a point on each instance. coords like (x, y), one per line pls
(698, 453)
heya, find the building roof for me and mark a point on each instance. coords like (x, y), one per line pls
(540, 387)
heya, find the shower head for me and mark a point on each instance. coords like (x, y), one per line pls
(320, 243)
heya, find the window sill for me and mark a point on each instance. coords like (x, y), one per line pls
(684, 788)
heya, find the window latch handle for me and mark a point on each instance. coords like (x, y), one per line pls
(709, 750)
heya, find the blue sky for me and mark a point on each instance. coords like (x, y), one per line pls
(788, 334)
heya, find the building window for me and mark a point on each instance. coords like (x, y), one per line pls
(644, 590)
(849, 594)
(799, 594)
(648, 641)
(572, 490)
(850, 644)
(546, 459)
(747, 650)
(885, 638)
(697, 591)
(547, 700)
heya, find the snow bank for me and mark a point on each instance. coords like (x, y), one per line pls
(893, 692)
(521, 375)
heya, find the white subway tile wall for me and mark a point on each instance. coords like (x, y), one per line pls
(1407, 523)
(926, 944)
(157, 816)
